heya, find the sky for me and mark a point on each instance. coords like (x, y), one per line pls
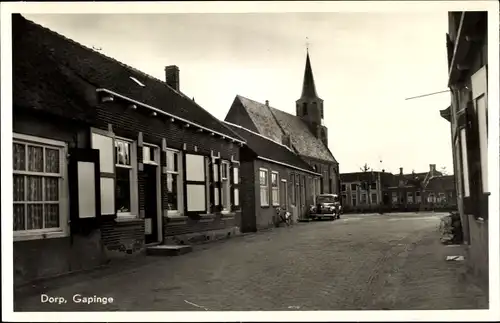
(364, 65)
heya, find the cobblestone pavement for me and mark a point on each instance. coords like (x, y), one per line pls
(358, 262)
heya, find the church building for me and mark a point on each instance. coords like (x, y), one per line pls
(303, 133)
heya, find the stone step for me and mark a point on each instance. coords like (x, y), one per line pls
(168, 250)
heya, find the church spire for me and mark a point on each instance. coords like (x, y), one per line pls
(308, 87)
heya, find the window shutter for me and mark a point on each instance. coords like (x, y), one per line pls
(235, 186)
(230, 177)
(104, 141)
(211, 184)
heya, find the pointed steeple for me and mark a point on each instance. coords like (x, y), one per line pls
(308, 87)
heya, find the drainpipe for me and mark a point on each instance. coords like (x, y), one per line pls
(456, 100)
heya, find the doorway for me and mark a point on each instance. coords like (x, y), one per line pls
(151, 221)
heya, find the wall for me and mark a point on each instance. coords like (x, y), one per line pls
(321, 167)
(478, 260)
(128, 123)
(35, 259)
(265, 217)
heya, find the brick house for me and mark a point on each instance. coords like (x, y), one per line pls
(272, 175)
(467, 45)
(108, 159)
(363, 191)
(305, 132)
(408, 192)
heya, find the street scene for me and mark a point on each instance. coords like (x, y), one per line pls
(359, 262)
(266, 161)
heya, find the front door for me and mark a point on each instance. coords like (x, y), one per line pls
(151, 205)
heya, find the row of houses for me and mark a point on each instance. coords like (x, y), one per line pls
(380, 190)
(108, 160)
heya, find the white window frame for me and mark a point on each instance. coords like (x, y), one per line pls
(180, 182)
(418, 197)
(441, 196)
(409, 197)
(275, 189)
(134, 203)
(264, 189)
(236, 190)
(63, 229)
(376, 198)
(226, 188)
(465, 162)
(363, 198)
(431, 198)
(479, 94)
(354, 197)
(394, 197)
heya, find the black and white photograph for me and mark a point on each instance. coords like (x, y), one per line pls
(204, 161)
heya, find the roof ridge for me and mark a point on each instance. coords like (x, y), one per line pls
(114, 60)
(74, 42)
(258, 134)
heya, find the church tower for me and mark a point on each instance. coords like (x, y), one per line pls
(310, 107)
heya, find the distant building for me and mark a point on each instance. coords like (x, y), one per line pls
(304, 133)
(365, 191)
(467, 45)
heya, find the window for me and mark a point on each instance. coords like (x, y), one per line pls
(373, 186)
(353, 199)
(304, 108)
(353, 187)
(465, 164)
(431, 198)
(275, 189)
(297, 190)
(409, 197)
(394, 197)
(363, 198)
(441, 198)
(344, 199)
(124, 176)
(418, 198)
(226, 203)
(217, 199)
(292, 188)
(343, 188)
(174, 181)
(479, 96)
(39, 174)
(374, 198)
(264, 187)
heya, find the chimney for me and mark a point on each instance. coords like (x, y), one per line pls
(383, 170)
(172, 76)
(400, 170)
(432, 169)
(267, 103)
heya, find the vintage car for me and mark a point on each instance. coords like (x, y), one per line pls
(326, 206)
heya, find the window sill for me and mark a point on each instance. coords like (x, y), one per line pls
(126, 218)
(39, 236)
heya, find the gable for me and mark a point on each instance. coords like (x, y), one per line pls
(239, 116)
(262, 118)
(264, 147)
(276, 124)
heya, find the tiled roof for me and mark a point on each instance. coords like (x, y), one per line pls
(84, 65)
(264, 147)
(441, 183)
(274, 123)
